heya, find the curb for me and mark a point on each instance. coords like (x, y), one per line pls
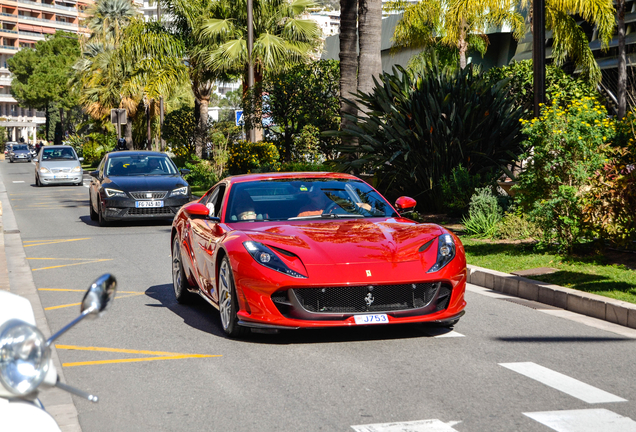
(596, 306)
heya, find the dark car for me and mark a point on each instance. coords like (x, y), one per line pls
(137, 185)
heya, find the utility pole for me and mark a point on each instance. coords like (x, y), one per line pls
(538, 53)
(251, 133)
(163, 142)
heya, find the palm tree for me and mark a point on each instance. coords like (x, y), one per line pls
(282, 37)
(622, 58)
(103, 70)
(370, 41)
(457, 24)
(348, 58)
(570, 41)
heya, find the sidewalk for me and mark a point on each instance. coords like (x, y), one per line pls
(16, 277)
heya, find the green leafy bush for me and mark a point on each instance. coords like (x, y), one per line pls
(179, 131)
(201, 175)
(306, 146)
(484, 214)
(97, 145)
(458, 188)
(412, 130)
(564, 149)
(246, 157)
(515, 226)
(304, 166)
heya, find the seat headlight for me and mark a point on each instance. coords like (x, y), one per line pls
(24, 357)
(445, 252)
(44, 170)
(114, 193)
(182, 191)
(266, 257)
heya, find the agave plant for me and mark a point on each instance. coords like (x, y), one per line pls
(415, 128)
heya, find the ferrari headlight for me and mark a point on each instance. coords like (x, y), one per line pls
(24, 357)
(180, 191)
(77, 169)
(114, 193)
(445, 252)
(266, 257)
(44, 170)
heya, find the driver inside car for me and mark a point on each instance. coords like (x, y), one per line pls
(316, 203)
(245, 207)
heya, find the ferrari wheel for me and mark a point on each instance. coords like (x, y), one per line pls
(93, 213)
(228, 304)
(179, 280)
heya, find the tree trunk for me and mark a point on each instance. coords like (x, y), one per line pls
(462, 44)
(128, 135)
(148, 128)
(202, 93)
(622, 59)
(62, 136)
(370, 39)
(47, 121)
(348, 58)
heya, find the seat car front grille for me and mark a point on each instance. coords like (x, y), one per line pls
(339, 302)
(149, 195)
(150, 211)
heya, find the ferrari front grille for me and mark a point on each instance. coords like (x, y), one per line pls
(148, 195)
(367, 298)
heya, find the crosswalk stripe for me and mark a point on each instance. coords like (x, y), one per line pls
(590, 420)
(564, 383)
(432, 425)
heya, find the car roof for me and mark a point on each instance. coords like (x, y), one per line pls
(289, 175)
(57, 146)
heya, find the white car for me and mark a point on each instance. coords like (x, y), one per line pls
(58, 164)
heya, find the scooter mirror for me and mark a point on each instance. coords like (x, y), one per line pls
(99, 295)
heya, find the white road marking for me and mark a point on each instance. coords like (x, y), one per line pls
(432, 425)
(18, 181)
(564, 383)
(450, 334)
(592, 420)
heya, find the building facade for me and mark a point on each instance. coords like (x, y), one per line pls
(22, 24)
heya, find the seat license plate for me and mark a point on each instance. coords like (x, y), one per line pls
(148, 204)
(371, 319)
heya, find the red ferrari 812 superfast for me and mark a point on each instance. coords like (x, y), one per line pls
(309, 250)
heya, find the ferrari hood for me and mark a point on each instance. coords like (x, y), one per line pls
(352, 241)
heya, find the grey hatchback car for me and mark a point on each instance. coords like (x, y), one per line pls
(19, 152)
(58, 164)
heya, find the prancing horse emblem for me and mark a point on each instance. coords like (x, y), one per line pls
(369, 299)
(368, 273)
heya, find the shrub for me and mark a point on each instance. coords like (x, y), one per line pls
(565, 148)
(457, 189)
(484, 214)
(515, 226)
(306, 146)
(97, 145)
(77, 142)
(414, 129)
(246, 157)
(201, 173)
(179, 130)
(304, 166)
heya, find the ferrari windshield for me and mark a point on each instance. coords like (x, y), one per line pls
(311, 198)
(139, 165)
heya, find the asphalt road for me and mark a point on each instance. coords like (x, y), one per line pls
(158, 365)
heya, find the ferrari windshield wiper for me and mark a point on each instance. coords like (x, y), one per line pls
(336, 216)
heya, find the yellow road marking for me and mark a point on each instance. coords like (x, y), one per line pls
(130, 294)
(83, 290)
(159, 355)
(48, 242)
(85, 261)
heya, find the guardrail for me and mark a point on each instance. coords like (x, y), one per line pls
(47, 5)
(8, 47)
(52, 22)
(28, 33)
(7, 31)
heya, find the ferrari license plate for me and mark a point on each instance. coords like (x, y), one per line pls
(371, 319)
(148, 204)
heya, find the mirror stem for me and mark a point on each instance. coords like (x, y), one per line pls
(69, 326)
(76, 392)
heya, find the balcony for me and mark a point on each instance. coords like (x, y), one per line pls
(48, 6)
(28, 33)
(7, 47)
(49, 22)
(8, 31)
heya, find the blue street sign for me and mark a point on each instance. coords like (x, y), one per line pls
(238, 114)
